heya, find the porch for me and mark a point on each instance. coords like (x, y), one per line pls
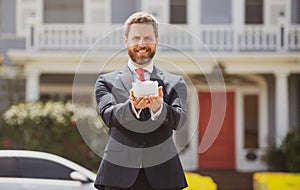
(217, 38)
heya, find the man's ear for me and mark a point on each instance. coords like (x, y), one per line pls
(157, 39)
(125, 41)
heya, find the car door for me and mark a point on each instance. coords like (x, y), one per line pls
(47, 175)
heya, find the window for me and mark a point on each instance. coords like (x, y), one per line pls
(216, 12)
(63, 11)
(251, 121)
(43, 169)
(121, 9)
(9, 167)
(178, 12)
(295, 11)
(254, 12)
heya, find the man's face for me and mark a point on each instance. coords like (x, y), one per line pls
(141, 43)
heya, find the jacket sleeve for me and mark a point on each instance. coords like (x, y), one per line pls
(116, 114)
(174, 108)
(111, 112)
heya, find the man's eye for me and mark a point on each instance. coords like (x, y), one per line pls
(136, 38)
(147, 39)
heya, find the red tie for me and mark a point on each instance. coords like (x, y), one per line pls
(140, 73)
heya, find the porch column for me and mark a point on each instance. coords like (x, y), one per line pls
(193, 21)
(281, 107)
(238, 20)
(32, 92)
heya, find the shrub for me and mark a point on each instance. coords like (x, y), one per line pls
(50, 127)
(276, 181)
(276, 159)
(198, 182)
(291, 148)
(287, 156)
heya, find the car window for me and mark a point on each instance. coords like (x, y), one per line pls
(44, 169)
(8, 167)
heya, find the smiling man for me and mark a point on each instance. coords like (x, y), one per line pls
(141, 43)
(140, 153)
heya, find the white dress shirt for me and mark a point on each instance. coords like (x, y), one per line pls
(148, 70)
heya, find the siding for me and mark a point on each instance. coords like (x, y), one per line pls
(8, 16)
(294, 92)
(270, 80)
(216, 12)
(10, 43)
(295, 12)
(121, 10)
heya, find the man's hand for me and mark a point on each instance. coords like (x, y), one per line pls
(153, 102)
(156, 101)
(139, 102)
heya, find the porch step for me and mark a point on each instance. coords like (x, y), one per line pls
(230, 180)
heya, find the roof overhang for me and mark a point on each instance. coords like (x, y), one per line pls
(190, 63)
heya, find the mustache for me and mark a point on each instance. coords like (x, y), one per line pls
(142, 48)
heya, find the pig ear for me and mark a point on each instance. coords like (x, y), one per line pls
(131, 93)
(160, 91)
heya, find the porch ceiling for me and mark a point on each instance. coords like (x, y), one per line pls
(235, 63)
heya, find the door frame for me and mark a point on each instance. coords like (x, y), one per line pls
(241, 163)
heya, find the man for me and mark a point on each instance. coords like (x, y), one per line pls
(140, 153)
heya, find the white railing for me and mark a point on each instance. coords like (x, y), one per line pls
(257, 37)
(293, 38)
(221, 38)
(72, 36)
(175, 38)
(218, 37)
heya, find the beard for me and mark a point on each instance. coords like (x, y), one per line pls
(141, 59)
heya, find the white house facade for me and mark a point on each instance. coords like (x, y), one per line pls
(256, 41)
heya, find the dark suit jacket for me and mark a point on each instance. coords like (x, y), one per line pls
(140, 142)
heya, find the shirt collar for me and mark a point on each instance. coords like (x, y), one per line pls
(148, 68)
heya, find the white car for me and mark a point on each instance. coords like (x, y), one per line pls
(31, 170)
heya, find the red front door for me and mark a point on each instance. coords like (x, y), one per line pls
(220, 154)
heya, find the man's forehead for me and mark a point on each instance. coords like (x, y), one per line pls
(141, 28)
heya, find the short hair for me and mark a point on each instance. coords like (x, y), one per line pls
(141, 18)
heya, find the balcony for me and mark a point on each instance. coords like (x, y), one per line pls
(218, 38)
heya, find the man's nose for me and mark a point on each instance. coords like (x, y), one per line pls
(141, 42)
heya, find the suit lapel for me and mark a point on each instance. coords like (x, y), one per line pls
(126, 78)
(157, 75)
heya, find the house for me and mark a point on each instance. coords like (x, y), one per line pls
(240, 58)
